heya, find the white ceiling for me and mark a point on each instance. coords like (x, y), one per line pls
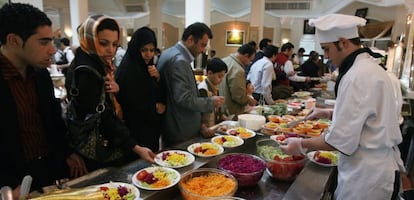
(232, 8)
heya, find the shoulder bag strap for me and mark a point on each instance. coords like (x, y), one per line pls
(74, 91)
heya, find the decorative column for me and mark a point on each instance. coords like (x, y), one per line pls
(156, 19)
(257, 20)
(198, 11)
(78, 14)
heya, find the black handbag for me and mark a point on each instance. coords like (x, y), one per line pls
(84, 134)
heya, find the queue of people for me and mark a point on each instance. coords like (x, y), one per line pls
(126, 107)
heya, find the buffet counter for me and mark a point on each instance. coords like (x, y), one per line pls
(312, 183)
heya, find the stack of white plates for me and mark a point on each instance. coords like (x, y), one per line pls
(251, 121)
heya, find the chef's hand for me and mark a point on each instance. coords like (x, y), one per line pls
(293, 146)
(320, 113)
(145, 153)
(76, 165)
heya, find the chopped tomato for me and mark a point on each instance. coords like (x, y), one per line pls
(103, 188)
(276, 157)
(198, 149)
(142, 175)
(298, 157)
(280, 138)
(234, 132)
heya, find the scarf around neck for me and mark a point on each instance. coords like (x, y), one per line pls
(348, 63)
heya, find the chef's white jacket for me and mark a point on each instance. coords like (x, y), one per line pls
(365, 130)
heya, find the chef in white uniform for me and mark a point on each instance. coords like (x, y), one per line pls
(365, 128)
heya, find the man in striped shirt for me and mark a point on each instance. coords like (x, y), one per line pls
(32, 140)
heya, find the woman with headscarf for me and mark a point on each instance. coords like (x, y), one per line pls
(99, 37)
(138, 80)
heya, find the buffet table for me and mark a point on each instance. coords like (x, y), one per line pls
(312, 183)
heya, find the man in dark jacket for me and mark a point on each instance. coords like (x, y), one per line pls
(184, 106)
(34, 143)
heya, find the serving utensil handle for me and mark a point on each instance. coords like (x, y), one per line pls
(25, 187)
(6, 193)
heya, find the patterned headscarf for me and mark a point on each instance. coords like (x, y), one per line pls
(88, 34)
(88, 39)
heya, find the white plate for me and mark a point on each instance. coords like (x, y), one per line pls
(330, 102)
(231, 141)
(252, 133)
(229, 123)
(274, 137)
(310, 156)
(302, 94)
(171, 174)
(117, 184)
(189, 159)
(192, 148)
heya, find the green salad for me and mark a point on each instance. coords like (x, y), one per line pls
(277, 109)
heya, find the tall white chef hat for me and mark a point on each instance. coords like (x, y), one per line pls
(330, 28)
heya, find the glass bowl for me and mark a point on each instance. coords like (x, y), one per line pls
(207, 184)
(246, 168)
(280, 166)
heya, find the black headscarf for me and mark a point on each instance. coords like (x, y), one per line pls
(140, 38)
(138, 92)
(348, 63)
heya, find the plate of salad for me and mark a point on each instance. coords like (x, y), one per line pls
(227, 141)
(241, 132)
(107, 191)
(156, 178)
(174, 158)
(324, 158)
(205, 149)
(302, 94)
(119, 190)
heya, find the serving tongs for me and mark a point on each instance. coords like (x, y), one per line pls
(295, 122)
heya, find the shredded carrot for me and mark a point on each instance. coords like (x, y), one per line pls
(211, 152)
(210, 185)
(161, 183)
